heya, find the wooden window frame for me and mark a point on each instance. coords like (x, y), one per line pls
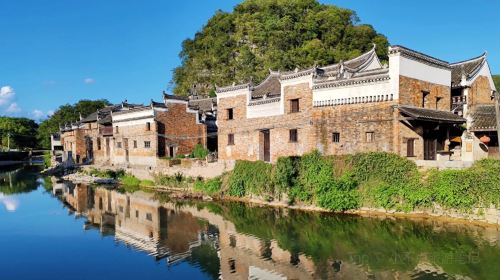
(370, 136)
(147, 144)
(335, 137)
(410, 152)
(295, 105)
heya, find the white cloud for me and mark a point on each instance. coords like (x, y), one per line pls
(89, 81)
(50, 113)
(13, 108)
(7, 93)
(37, 114)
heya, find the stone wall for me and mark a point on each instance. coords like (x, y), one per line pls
(353, 122)
(410, 93)
(480, 92)
(134, 137)
(248, 140)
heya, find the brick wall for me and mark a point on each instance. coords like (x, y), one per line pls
(182, 129)
(480, 92)
(248, 140)
(410, 93)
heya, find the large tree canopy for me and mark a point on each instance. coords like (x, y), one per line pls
(271, 34)
(18, 133)
(66, 114)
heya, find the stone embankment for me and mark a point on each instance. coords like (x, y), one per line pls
(79, 178)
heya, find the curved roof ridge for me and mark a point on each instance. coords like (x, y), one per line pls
(482, 56)
(272, 74)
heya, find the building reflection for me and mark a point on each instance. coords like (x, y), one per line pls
(209, 239)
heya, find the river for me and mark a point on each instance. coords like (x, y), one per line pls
(57, 230)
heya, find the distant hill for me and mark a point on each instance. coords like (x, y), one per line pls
(258, 35)
(496, 79)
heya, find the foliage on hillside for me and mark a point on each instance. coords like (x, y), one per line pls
(496, 79)
(66, 114)
(271, 34)
(21, 132)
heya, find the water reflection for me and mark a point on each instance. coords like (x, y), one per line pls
(15, 181)
(235, 241)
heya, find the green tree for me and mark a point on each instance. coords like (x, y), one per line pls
(18, 133)
(65, 114)
(259, 35)
(496, 79)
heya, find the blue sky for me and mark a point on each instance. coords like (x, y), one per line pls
(54, 52)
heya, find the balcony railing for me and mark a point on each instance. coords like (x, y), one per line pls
(457, 104)
(106, 131)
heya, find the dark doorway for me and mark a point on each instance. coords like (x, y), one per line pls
(108, 150)
(89, 149)
(430, 148)
(266, 145)
(171, 151)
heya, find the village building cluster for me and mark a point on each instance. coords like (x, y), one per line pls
(414, 105)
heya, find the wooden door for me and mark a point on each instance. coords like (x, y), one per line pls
(429, 149)
(267, 145)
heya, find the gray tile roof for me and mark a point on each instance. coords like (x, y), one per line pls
(483, 118)
(271, 86)
(469, 68)
(424, 114)
(204, 104)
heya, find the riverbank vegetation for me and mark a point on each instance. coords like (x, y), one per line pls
(375, 180)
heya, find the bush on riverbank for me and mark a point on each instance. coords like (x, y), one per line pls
(210, 186)
(375, 179)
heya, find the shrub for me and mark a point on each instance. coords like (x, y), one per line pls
(250, 177)
(47, 159)
(130, 180)
(338, 195)
(200, 152)
(284, 174)
(314, 172)
(210, 186)
(147, 183)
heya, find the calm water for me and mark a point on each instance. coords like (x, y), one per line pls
(51, 230)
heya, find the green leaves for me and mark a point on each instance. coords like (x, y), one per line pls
(271, 34)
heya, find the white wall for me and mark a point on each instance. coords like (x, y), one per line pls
(264, 110)
(362, 93)
(421, 71)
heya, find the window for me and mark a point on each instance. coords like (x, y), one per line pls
(230, 139)
(120, 208)
(147, 144)
(119, 145)
(294, 106)
(293, 135)
(335, 137)
(230, 114)
(149, 217)
(137, 213)
(116, 129)
(437, 102)
(369, 137)
(424, 97)
(410, 148)
(148, 126)
(135, 144)
(98, 143)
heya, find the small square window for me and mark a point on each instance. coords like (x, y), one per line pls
(369, 137)
(98, 143)
(293, 135)
(230, 115)
(120, 208)
(135, 144)
(335, 137)
(149, 216)
(119, 145)
(230, 139)
(294, 106)
(116, 129)
(147, 144)
(137, 213)
(148, 126)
